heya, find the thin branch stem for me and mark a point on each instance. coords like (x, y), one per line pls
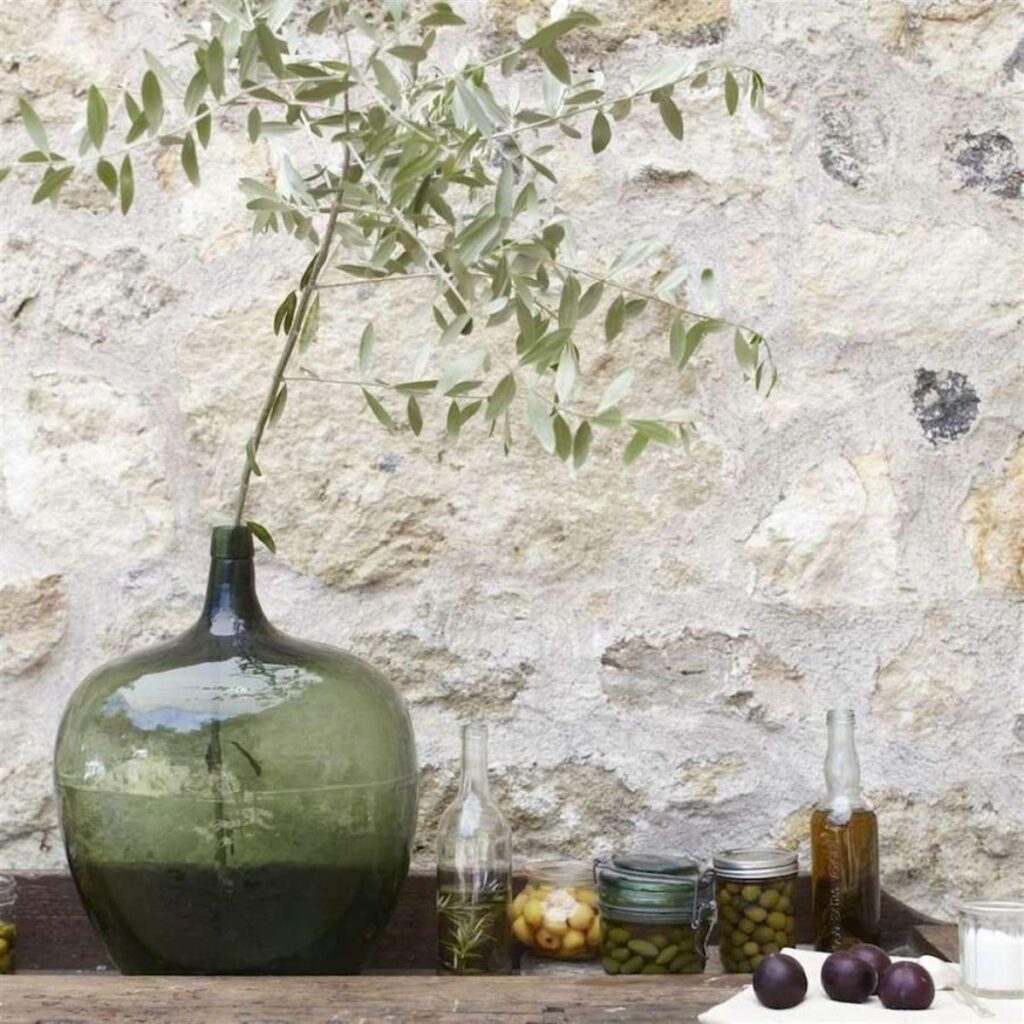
(286, 354)
(382, 193)
(605, 101)
(389, 279)
(652, 297)
(146, 139)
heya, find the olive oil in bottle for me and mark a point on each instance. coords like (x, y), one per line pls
(474, 872)
(845, 893)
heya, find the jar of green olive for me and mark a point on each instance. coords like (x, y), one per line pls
(8, 897)
(755, 889)
(656, 914)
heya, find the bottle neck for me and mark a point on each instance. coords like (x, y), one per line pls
(842, 766)
(474, 761)
(231, 602)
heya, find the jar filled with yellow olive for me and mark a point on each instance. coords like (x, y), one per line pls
(556, 914)
(755, 889)
(8, 929)
(656, 914)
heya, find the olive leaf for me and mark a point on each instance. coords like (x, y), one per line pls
(378, 410)
(152, 102)
(188, 159)
(732, 93)
(97, 116)
(262, 534)
(126, 181)
(396, 167)
(34, 127)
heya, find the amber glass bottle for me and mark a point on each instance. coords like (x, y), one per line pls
(845, 893)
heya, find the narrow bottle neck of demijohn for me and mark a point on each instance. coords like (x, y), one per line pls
(231, 601)
(842, 766)
(474, 760)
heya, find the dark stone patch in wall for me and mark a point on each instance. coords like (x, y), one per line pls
(1018, 728)
(853, 138)
(945, 404)
(836, 152)
(706, 34)
(988, 162)
(1015, 62)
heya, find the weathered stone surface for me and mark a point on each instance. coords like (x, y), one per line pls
(933, 34)
(430, 674)
(988, 161)
(993, 518)
(730, 674)
(84, 466)
(653, 647)
(928, 684)
(962, 833)
(848, 277)
(833, 539)
(33, 617)
(853, 137)
(693, 23)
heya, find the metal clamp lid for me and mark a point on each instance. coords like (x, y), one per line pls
(654, 885)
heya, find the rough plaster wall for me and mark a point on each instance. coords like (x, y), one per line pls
(655, 648)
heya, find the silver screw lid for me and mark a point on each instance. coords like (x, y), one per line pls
(750, 863)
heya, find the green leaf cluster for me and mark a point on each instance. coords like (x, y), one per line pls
(405, 169)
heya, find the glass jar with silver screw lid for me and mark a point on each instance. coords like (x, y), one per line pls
(755, 889)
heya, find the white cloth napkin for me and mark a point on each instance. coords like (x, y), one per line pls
(817, 1008)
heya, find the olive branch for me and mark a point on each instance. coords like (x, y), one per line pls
(425, 171)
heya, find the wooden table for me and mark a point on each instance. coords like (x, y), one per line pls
(64, 978)
(110, 999)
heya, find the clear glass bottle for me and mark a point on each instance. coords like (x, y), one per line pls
(474, 871)
(845, 892)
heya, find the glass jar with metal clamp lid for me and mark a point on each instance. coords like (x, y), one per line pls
(656, 914)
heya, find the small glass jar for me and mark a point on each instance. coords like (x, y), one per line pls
(992, 948)
(556, 914)
(8, 926)
(755, 889)
(656, 914)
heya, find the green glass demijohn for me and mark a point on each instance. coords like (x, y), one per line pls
(237, 801)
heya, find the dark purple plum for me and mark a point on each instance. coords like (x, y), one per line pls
(779, 982)
(848, 979)
(874, 955)
(906, 986)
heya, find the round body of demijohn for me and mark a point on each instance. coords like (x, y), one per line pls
(237, 801)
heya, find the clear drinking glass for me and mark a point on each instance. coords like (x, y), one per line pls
(474, 871)
(992, 948)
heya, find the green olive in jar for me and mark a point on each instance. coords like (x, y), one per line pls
(756, 920)
(8, 934)
(632, 947)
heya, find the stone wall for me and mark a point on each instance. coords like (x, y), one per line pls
(655, 647)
